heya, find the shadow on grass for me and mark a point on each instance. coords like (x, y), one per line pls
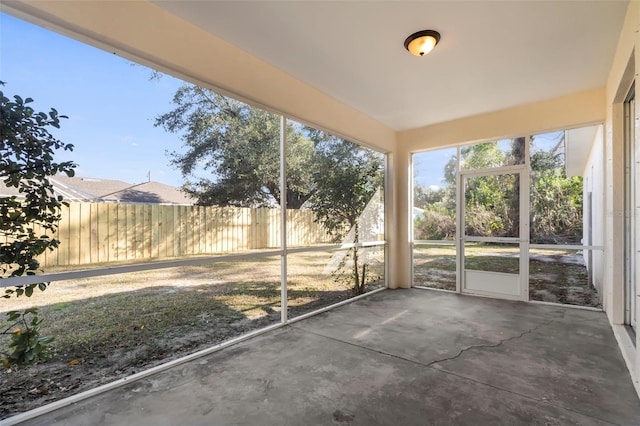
(211, 313)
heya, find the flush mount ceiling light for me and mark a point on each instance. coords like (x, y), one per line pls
(422, 42)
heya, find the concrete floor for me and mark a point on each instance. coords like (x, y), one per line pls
(399, 357)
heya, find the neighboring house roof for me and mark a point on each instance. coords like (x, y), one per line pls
(85, 189)
(110, 190)
(149, 192)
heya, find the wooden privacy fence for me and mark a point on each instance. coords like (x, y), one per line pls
(102, 232)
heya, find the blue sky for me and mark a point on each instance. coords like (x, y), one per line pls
(110, 102)
(428, 167)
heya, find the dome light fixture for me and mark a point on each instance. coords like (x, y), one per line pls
(422, 42)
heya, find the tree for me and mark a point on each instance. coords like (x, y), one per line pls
(231, 157)
(26, 163)
(231, 151)
(346, 179)
(423, 197)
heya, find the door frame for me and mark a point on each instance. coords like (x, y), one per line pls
(631, 210)
(522, 241)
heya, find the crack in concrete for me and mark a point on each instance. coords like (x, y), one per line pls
(486, 345)
(429, 364)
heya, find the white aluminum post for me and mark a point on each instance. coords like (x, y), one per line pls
(388, 218)
(459, 224)
(524, 223)
(283, 224)
(409, 214)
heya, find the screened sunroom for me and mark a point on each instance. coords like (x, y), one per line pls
(447, 237)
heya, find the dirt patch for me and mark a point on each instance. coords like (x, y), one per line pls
(435, 278)
(68, 374)
(561, 279)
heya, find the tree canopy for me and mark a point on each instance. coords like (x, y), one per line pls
(346, 178)
(27, 151)
(230, 154)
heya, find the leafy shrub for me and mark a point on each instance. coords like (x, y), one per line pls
(26, 345)
(481, 222)
(435, 224)
(26, 163)
(556, 214)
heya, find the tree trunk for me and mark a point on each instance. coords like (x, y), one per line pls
(358, 279)
(356, 272)
(514, 202)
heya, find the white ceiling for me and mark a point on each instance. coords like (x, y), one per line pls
(492, 55)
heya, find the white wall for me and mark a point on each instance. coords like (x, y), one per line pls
(594, 183)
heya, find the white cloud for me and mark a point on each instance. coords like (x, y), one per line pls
(129, 140)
